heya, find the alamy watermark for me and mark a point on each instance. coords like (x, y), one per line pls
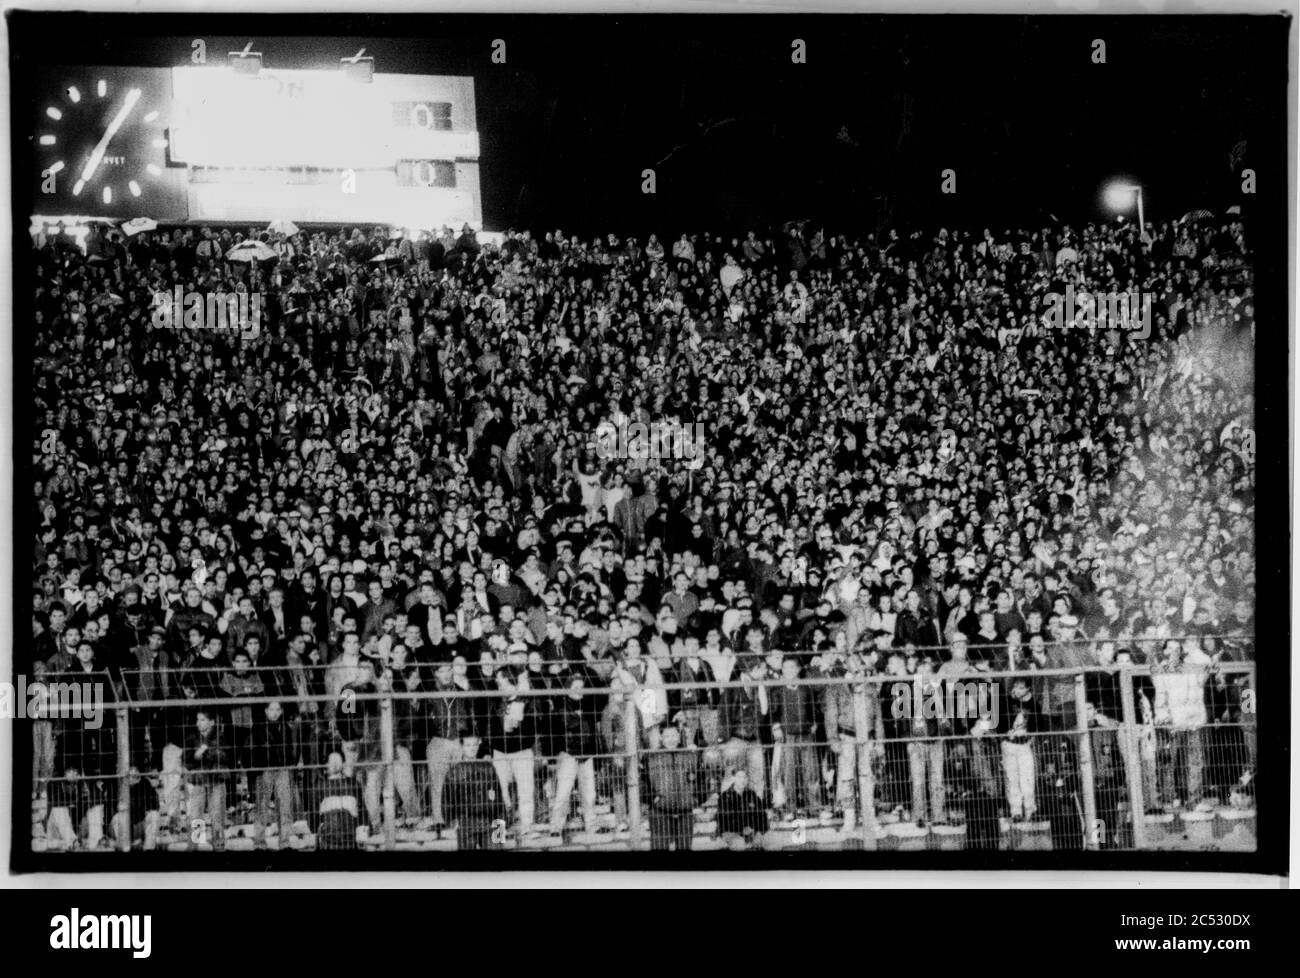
(952, 699)
(1129, 312)
(219, 311)
(656, 440)
(54, 700)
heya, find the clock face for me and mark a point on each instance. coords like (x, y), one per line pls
(101, 140)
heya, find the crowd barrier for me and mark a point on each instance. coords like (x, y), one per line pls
(1123, 757)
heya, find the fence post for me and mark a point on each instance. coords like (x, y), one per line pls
(123, 725)
(866, 780)
(1129, 743)
(632, 725)
(389, 797)
(1086, 785)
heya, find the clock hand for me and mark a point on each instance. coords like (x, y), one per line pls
(97, 154)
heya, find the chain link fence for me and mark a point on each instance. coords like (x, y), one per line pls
(574, 757)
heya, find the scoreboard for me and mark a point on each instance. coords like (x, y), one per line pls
(304, 145)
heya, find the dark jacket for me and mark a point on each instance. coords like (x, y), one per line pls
(510, 736)
(203, 768)
(448, 715)
(574, 728)
(741, 715)
(674, 780)
(738, 812)
(275, 743)
(1019, 719)
(692, 699)
(795, 709)
(473, 793)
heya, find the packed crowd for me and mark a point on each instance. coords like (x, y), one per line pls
(396, 485)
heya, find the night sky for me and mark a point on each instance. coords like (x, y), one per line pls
(739, 136)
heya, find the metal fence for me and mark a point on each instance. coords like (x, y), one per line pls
(1121, 757)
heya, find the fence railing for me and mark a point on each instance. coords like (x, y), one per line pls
(1127, 757)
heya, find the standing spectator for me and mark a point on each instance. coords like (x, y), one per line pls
(449, 719)
(853, 756)
(1018, 723)
(1180, 717)
(207, 767)
(925, 751)
(513, 739)
(673, 780)
(743, 712)
(275, 758)
(576, 741)
(794, 731)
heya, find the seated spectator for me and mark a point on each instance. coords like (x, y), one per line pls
(742, 816)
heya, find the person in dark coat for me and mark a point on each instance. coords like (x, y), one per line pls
(673, 777)
(207, 761)
(275, 757)
(575, 739)
(1061, 801)
(472, 797)
(742, 819)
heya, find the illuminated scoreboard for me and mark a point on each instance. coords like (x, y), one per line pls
(304, 145)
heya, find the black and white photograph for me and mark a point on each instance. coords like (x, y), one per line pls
(695, 443)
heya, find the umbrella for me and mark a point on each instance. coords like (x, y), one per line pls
(1200, 214)
(1234, 209)
(389, 255)
(138, 224)
(251, 251)
(281, 226)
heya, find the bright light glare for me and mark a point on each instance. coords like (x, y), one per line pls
(134, 188)
(108, 195)
(151, 116)
(56, 168)
(74, 94)
(1121, 196)
(154, 170)
(47, 140)
(76, 187)
(102, 88)
(54, 113)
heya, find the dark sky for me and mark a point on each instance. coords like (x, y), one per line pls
(740, 136)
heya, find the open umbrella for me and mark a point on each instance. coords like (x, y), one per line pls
(282, 226)
(251, 251)
(1200, 214)
(138, 224)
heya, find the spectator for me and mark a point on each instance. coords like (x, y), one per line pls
(742, 816)
(1180, 717)
(794, 731)
(672, 777)
(275, 760)
(207, 767)
(576, 742)
(473, 797)
(743, 712)
(449, 718)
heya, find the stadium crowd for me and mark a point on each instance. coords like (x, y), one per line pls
(397, 484)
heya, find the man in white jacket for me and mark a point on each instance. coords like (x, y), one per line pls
(1180, 716)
